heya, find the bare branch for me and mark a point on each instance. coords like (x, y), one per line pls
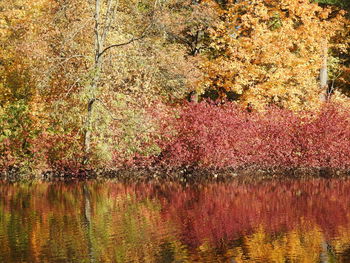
(80, 29)
(332, 88)
(107, 108)
(96, 30)
(133, 39)
(107, 21)
(72, 86)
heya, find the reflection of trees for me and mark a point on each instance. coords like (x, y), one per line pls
(324, 258)
(299, 245)
(294, 221)
(87, 221)
(215, 214)
(228, 211)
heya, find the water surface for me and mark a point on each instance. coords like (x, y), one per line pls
(271, 221)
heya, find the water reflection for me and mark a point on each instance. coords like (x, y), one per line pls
(286, 221)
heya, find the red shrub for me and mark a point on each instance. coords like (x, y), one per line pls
(226, 136)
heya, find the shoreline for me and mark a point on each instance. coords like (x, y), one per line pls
(180, 174)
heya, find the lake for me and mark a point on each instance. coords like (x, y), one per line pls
(106, 221)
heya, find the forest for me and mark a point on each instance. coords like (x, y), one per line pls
(106, 84)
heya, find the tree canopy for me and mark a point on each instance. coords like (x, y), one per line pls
(95, 80)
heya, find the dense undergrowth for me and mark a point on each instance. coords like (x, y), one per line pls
(202, 135)
(227, 136)
(112, 92)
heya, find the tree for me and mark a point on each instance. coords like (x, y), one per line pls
(270, 52)
(22, 115)
(339, 75)
(104, 22)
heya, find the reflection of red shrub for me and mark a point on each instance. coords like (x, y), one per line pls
(222, 212)
(226, 136)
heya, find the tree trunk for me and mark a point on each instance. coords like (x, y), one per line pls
(324, 73)
(94, 83)
(88, 127)
(101, 31)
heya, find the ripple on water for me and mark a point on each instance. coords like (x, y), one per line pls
(275, 221)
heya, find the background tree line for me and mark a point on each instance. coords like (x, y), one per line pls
(91, 81)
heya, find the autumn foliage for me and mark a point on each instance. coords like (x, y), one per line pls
(203, 223)
(270, 52)
(104, 84)
(208, 135)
